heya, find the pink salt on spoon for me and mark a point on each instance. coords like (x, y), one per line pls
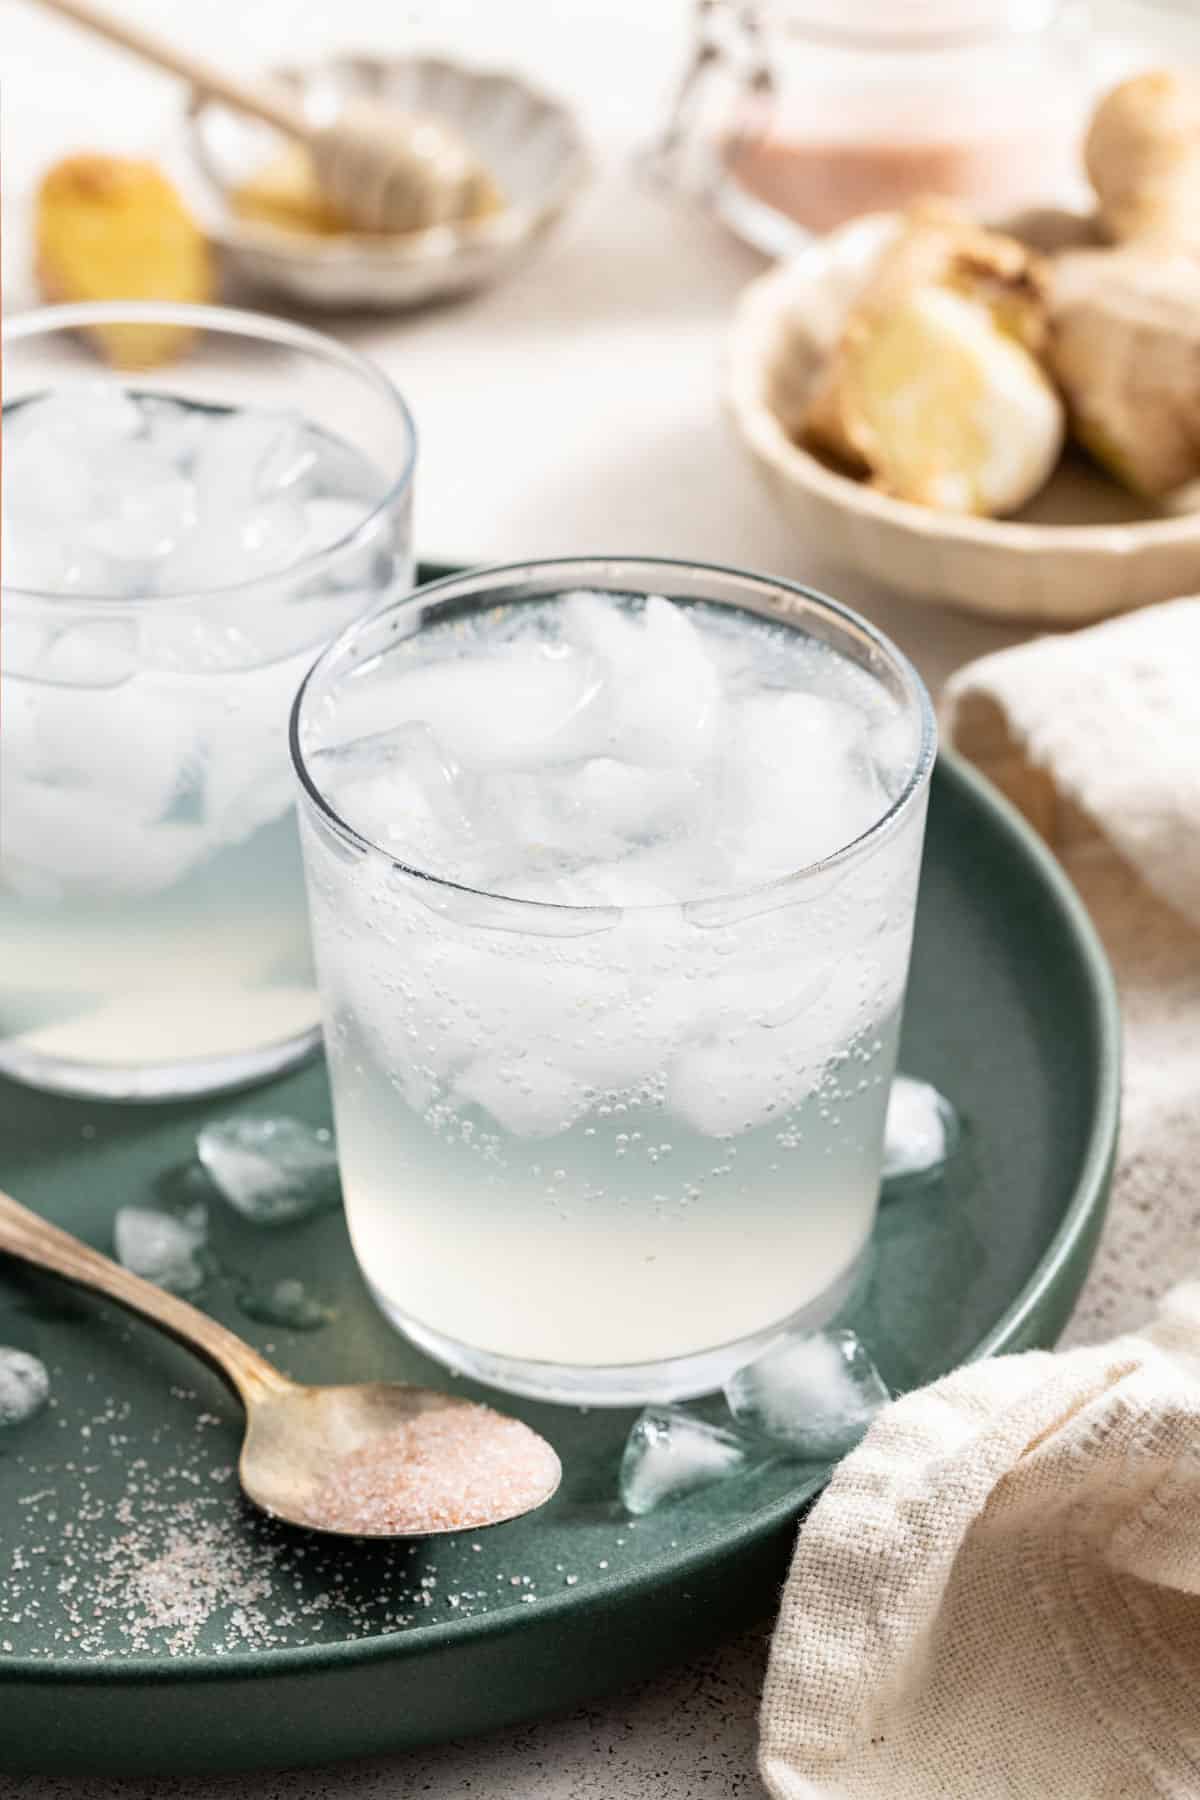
(377, 1459)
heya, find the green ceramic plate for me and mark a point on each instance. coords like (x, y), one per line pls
(149, 1623)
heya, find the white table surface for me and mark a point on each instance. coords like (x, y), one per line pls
(575, 409)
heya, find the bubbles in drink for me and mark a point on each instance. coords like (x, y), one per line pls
(637, 938)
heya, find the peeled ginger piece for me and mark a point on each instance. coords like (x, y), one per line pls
(1125, 348)
(109, 228)
(933, 393)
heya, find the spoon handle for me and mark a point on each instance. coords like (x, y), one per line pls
(26, 1235)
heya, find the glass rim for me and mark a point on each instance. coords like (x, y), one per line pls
(568, 572)
(40, 321)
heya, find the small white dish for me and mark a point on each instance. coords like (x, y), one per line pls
(529, 142)
(1083, 548)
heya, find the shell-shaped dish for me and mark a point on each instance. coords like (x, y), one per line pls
(529, 142)
(1083, 548)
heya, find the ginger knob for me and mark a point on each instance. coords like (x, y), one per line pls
(109, 228)
(1143, 159)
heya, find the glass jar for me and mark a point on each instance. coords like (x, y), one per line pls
(797, 115)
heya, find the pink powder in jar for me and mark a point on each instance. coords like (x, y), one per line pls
(871, 106)
(822, 182)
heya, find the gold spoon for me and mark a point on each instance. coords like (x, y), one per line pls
(374, 1460)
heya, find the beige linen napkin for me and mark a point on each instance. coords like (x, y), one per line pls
(999, 1594)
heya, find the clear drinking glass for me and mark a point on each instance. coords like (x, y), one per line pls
(178, 541)
(600, 1153)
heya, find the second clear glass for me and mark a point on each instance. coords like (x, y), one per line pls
(153, 932)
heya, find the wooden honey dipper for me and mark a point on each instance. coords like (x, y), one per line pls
(384, 172)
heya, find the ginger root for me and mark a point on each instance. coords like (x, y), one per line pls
(108, 228)
(934, 392)
(1142, 155)
(1124, 346)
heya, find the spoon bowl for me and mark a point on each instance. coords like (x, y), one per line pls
(384, 1460)
(376, 1460)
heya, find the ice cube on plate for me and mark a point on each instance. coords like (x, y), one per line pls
(286, 1302)
(163, 1247)
(921, 1133)
(271, 1171)
(24, 1386)
(670, 1453)
(815, 1392)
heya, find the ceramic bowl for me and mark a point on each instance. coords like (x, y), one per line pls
(1083, 548)
(530, 142)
